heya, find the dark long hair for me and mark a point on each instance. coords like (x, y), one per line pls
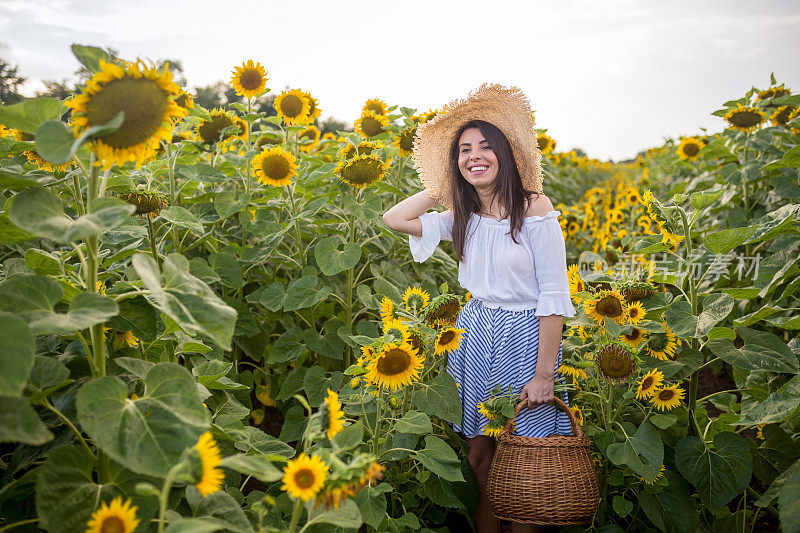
(507, 187)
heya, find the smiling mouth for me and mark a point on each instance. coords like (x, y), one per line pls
(478, 169)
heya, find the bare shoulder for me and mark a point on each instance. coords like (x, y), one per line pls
(539, 206)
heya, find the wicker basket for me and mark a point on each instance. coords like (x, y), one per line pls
(543, 480)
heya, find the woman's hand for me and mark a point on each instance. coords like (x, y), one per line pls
(538, 390)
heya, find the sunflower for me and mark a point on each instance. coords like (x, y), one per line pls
(404, 140)
(495, 427)
(654, 209)
(310, 136)
(649, 384)
(332, 415)
(482, 409)
(314, 110)
(427, 116)
(448, 340)
(546, 143)
(386, 309)
(672, 240)
(367, 353)
(147, 98)
(42, 164)
(362, 170)
(147, 203)
(333, 496)
(574, 373)
(397, 330)
(607, 304)
(304, 476)
(121, 338)
(376, 105)
(635, 338)
(578, 414)
(668, 397)
(745, 119)
(394, 366)
(365, 147)
(636, 312)
(185, 100)
(210, 130)
(249, 80)
(293, 107)
(270, 138)
(211, 477)
(689, 149)
(662, 345)
(576, 284)
(760, 431)
(329, 137)
(781, 115)
(415, 298)
(615, 215)
(116, 517)
(467, 296)
(658, 476)
(632, 196)
(370, 124)
(615, 362)
(773, 92)
(275, 166)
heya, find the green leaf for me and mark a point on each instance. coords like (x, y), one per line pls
(777, 407)
(332, 260)
(414, 422)
(701, 200)
(226, 204)
(194, 525)
(439, 397)
(346, 516)
(720, 473)
(56, 143)
(257, 466)
(186, 299)
(774, 489)
(722, 242)
(761, 351)
(228, 268)
(316, 384)
(20, 423)
(9, 233)
(16, 356)
(305, 292)
(439, 458)
(222, 509)
(147, 435)
(789, 504)
(39, 212)
(671, 509)
(349, 436)
(643, 452)
(622, 506)
(774, 223)
(28, 114)
(371, 501)
(288, 347)
(15, 181)
(138, 316)
(90, 56)
(32, 298)
(182, 217)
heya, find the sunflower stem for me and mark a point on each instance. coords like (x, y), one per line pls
(152, 234)
(377, 424)
(295, 515)
(78, 193)
(246, 179)
(162, 500)
(297, 237)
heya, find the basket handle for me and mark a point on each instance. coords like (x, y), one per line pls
(576, 428)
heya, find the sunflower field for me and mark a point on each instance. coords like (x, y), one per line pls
(207, 327)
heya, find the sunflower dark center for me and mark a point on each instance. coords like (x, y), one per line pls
(211, 129)
(407, 139)
(634, 312)
(666, 394)
(371, 126)
(633, 335)
(291, 105)
(112, 524)
(275, 167)
(376, 108)
(609, 306)
(615, 364)
(363, 171)
(691, 149)
(745, 119)
(447, 337)
(250, 80)
(304, 478)
(181, 100)
(647, 383)
(543, 143)
(394, 362)
(144, 104)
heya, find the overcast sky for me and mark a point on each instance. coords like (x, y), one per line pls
(612, 77)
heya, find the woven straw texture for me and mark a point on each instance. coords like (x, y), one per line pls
(550, 480)
(505, 107)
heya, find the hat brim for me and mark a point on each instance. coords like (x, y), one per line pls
(505, 107)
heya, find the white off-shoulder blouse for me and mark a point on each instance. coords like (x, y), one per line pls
(498, 271)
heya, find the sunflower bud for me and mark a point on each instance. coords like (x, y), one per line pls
(355, 382)
(394, 402)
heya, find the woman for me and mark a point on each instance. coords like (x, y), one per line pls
(512, 259)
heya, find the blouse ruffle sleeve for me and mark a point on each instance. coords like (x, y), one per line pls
(436, 227)
(550, 266)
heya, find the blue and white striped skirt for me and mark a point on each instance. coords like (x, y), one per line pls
(501, 346)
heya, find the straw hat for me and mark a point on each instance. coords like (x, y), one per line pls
(505, 107)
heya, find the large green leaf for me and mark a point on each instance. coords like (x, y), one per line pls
(39, 211)
(439, 397)
(146, 435)
(331, 259)
(305, 292)
(670, 509)
(16, 356)
(288, 347)
(722, 242)
(222, 509)
(414, 422)
(683, 323)
(789, 504)
(14, 181)
(67, 493)
(180, 216)
(371, 501)
(29, 113)
(761, 351)
(347, 515)
(719, 473)
(186, 299)
(90, 56)
(20, 423)
(643, 452)
(439, 458)
(777, 407)
(33, 298)
(258, 466)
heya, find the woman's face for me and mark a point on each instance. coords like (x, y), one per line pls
(476, 159)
